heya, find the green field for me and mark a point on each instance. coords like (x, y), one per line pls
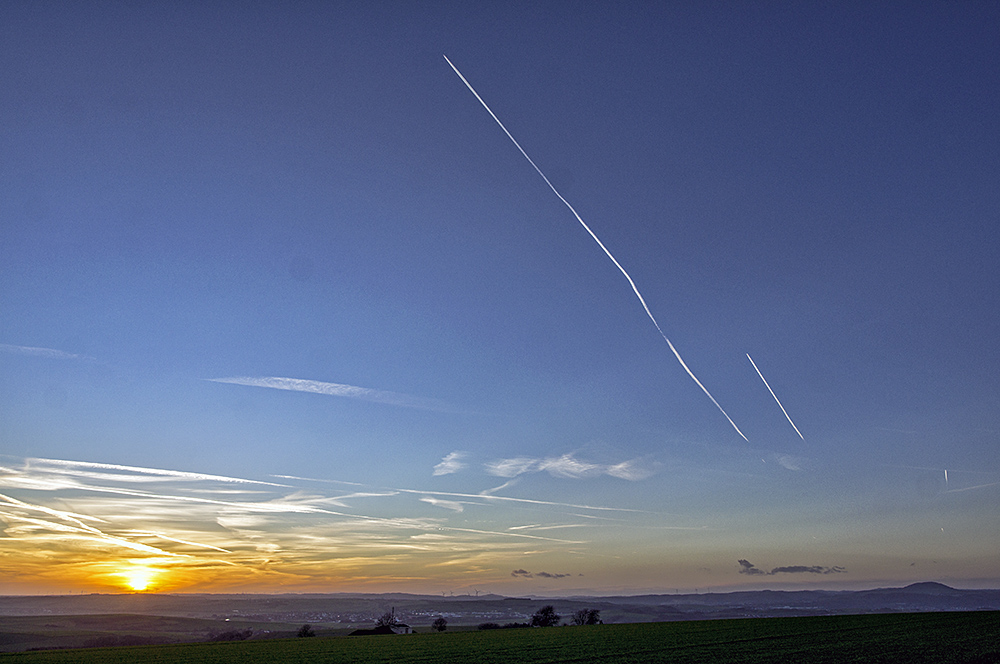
(941, 638)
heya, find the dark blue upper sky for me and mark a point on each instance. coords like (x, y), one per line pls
(258, 191)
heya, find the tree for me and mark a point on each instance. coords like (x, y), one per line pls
(587, 617)
(439, 625)
(545, 617)
(387, 619)
(306, 630)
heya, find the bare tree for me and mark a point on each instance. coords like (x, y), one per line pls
(306, 630)
(587, 617)
(387, 619)
(439, 625)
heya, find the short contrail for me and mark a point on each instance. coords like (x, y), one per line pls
(601, 245)
(779, 403)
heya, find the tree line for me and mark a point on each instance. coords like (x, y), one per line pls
(547, 617)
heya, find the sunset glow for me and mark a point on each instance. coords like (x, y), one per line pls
(285, 308)
(139, 579)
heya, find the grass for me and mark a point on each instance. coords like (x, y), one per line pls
(74, 631)
(941, 638)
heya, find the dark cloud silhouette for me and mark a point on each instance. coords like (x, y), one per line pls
(525, 574)
(815, 569)
(747, 567)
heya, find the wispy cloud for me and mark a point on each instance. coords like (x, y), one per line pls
(633, 470)
(51, 353)
(747, 567)
(790, 462)
(539, 526)
(130, 473)
(487, 496)
(336, 390)
(453, 505)
(512, 467)
(83, 522)
(972, 488)
(569, 467)
(451, 463)
(505, 485)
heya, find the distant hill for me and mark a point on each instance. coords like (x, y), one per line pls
(360, 610)
(931, 588)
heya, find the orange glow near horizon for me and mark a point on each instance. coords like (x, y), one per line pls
(71, 527)
(139, 578)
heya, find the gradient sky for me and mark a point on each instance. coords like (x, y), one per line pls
(282, 308)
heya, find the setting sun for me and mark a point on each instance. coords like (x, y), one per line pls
(139, 579)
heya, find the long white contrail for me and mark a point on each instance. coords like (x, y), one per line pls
(782, 407)
(600, 244)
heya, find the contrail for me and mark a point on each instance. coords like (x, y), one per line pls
(779, 403)
(600, 244)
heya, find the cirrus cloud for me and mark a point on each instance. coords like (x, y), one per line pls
(451, 463)
(336, 390)
(567, 466)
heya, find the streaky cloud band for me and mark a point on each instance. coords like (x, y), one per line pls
(158, 473)
(336, 390)
(487, 495)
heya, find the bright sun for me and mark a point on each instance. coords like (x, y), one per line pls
(139, 579)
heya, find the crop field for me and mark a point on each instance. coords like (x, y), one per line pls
(941, 638)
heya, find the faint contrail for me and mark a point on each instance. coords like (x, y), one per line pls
(776, 399)
(601, 245)
(336, 390)
(42, 352)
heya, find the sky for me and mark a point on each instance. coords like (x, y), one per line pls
(284, 308)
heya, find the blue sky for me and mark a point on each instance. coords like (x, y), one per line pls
(277, 289)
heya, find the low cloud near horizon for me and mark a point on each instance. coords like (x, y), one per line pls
(747, 567)
(525, 574)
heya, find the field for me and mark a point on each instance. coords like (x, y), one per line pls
(941, 638)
